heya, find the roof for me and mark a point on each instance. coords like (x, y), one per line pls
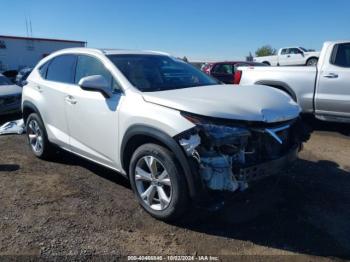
(110, 51)
(42, 39)
(130, 52)
(337, 42)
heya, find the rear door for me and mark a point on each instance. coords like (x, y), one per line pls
(333, 86)
(57, 79)
(223, 72)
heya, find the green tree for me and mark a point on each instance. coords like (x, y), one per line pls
(265, 51)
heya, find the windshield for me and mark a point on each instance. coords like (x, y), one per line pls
(304, 49)
(4, 81)
(157, 73)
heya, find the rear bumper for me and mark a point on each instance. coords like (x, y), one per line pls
(266, 169)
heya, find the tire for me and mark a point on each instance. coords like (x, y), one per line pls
(175, 202)
(37, 137)
(312, 62)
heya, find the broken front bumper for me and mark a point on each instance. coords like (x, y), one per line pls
(272, 167)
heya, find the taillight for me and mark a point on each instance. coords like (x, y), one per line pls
(237, 77)
(207, 70)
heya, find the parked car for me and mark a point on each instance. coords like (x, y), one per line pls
(10, 96)
(227, 73)
(323, 90)
(174, 131)
(22, 76)
(290, 56)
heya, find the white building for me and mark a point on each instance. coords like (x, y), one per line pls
(18, 52)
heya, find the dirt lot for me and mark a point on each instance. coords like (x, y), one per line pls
(73, 207)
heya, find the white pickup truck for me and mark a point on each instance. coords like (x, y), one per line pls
(290, 56)
(323, 90)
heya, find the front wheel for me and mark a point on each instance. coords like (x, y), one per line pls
(158, 182)
(312, 62)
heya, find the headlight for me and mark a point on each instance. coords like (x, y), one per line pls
(216, 133)
(218, 127)
(224, 132)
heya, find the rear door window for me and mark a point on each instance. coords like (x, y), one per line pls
(341, 55)
(61, 69)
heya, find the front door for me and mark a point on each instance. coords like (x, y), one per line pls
(292, 56)
(296, 57)
(92, 118)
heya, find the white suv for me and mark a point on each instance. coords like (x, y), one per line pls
(176, 133)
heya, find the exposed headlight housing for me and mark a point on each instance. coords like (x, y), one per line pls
(215, 134)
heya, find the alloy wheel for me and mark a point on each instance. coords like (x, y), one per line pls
(35, 136)
(153, 183)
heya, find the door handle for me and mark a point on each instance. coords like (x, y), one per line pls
(331, 75)
(71, 100)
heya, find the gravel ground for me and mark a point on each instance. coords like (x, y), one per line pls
(70, 207)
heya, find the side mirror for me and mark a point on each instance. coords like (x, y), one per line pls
(96, 83)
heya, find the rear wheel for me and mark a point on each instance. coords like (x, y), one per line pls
(158, 182)
(37, 137)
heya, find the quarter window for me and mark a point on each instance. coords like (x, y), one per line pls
(43, 69)
(341, 55)
(61, 69)
(88, 66)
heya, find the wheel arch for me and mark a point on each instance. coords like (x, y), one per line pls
(27, 109)
(279, 85)
(138, 135)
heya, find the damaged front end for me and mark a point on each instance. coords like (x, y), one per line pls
(229, 154)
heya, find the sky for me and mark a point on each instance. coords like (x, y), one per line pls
(197, 29)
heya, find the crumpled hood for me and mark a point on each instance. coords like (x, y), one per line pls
(250, 103)
(6, 90)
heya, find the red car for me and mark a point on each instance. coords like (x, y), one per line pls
(227, 72)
